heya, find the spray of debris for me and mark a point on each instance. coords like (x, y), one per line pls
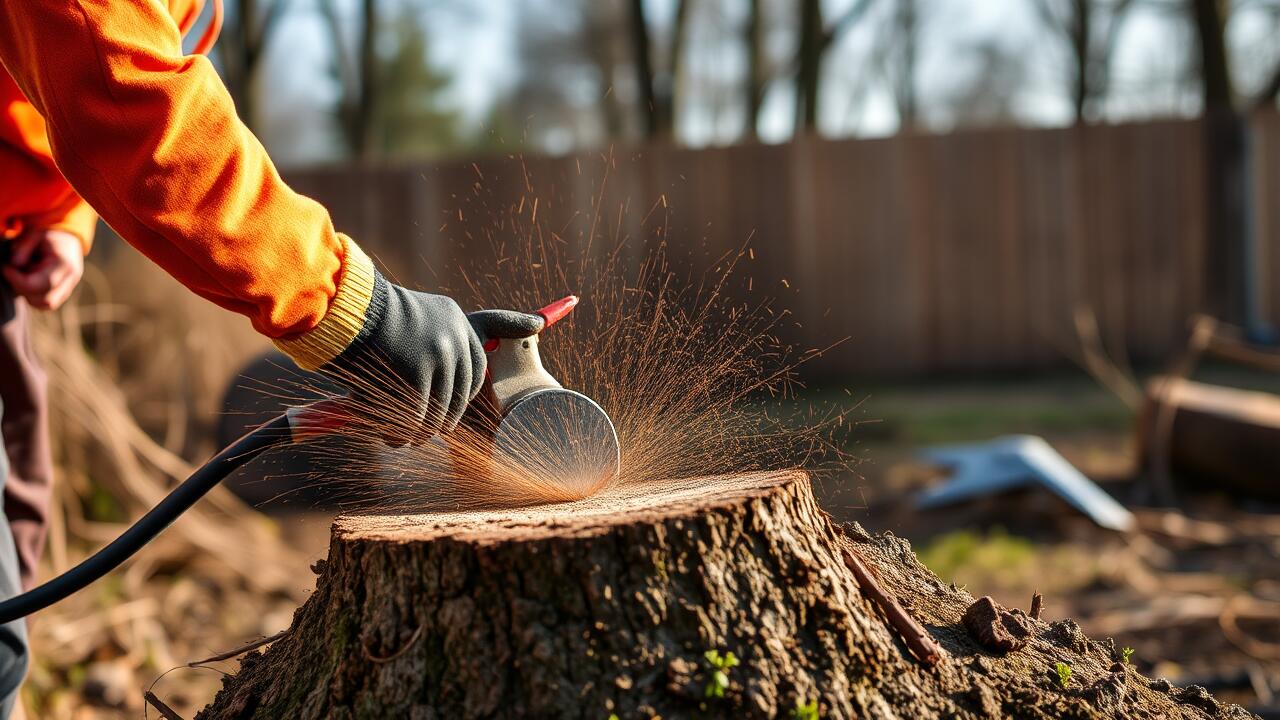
(694, 377)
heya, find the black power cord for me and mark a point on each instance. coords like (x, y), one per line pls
(178, 501)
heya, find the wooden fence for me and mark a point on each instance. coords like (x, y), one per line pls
(958, 252)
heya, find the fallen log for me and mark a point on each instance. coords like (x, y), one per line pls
(729, 597)
(1212, 437)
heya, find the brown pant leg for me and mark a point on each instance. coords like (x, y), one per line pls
(25, 428)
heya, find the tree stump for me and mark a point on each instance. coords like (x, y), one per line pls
(611, 606)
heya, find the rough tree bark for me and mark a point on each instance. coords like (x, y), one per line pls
(609, 609)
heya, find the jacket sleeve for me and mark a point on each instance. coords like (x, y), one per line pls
(150, 138)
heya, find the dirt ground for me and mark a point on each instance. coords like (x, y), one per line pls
(1195, 592)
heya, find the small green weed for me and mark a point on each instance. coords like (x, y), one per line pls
(806, 711)
(720, 666)
(1125, 655)
(1064, 674)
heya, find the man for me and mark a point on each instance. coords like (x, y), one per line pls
(149, 138)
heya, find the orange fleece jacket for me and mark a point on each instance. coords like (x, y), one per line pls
(33, 193)
(150, 138)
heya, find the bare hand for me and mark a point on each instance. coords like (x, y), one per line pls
(44, 267)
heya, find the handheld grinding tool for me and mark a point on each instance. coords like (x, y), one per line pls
(562, 436)
(523, 412)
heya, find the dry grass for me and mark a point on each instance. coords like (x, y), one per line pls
(134, 386)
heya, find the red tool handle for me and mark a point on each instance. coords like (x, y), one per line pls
(552, 314)
(556, 311)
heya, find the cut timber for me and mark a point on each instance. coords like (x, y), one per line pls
(1219, 438)
(609, 607)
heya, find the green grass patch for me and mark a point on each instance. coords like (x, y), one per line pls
(967, 551)
(997, 562)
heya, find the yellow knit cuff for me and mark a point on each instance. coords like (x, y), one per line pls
(345, 316)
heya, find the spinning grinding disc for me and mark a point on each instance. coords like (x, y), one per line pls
(561, 435)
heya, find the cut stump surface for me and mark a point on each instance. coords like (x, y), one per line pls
(609, 606)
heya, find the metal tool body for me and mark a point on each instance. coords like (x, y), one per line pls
(533, 422)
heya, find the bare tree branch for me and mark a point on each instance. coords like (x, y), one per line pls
(1267, 96)
(1049, 17)
(845, 21)
(269, 22)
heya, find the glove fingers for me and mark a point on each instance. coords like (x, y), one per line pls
(479, 365)
(458, 402)
(490, 324)
(438, 398)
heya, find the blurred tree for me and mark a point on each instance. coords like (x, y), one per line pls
(1210, 20)
(658, 86)
(498, 134)
(1216, 74)
(574, 77)
(1270, 92)
(988, 96)
(1264, 54)
(604, 38)
(357, 111)
(816, 38)
(390, 99)
(1090, 29)
(247, 27)
(753, 40)
(906, 48)
(1226, 164)
(407, 118)
(356, 74)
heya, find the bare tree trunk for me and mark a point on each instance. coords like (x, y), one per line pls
(815, 40)
(243, 46)
(907, 22)
(669, 94)
(642, 59)
(362, 132)
(658, 91)
(1080, 30)
(1215, 67)
(240, 79)
(628, 605)
(357, 74)
(755, 69)
(600, 34)
(1226, 171)
(1100, 79)
(809, 54)
(1091, 38)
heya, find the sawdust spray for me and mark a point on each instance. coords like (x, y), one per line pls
(694, 376)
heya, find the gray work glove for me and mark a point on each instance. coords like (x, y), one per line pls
(419, 354)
